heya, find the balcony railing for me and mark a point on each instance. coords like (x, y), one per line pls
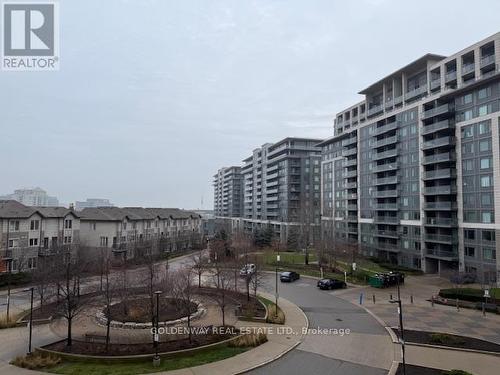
(352, 218)
(386, 206)
(487, 60)
(438, 142)
(351, 162)
(440, 190)
(351, 185)
(352, 207)
(386, 141)
(416, 92)
(350, 174)
(468, 68)
(386, 193)
(387, 233)
(349, 151)
(388, 246)
(385, 167)
(441, 125)
(386, 219)
(436, 83)
(436, 111)
(386, 128)
(385, 154)
(445, 206)
(440, 173)
(352, 196)
(398, 99)
(376, 109)
(386, 180)
(439, 158)
(450, 76)
(438, 253)
(437, 221)
(441, 238)
(349, 141)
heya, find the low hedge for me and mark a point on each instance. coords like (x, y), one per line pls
(470, 294)
(16, 279)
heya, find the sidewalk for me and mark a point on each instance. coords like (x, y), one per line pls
(278, 344)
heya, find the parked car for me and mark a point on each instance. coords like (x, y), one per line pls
(325, 284)
(289, 276)
(247, 269)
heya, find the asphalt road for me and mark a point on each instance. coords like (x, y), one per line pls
(331, 354)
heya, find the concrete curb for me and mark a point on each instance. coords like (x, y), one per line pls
(389, 330)
(409, 343)
(394, 368)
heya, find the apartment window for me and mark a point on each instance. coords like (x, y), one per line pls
(104, 241)
(68, 224)
(467, 99)
(468, 115)
(13, 243)
(489, 254)
(485, 181)
(484, 127)
(31, 263)
(468, 148)
(33, 241)
(469, 234)
(468, 131)
(468, 165)
(470, 251)
(14, 226)
(486, 217)
(486, 199)
(67, 239)
(486, 163)
(470, 216)
(485, 145)
(93, 226)
(484, 93)
(484, 109)
(488, 235)
(34, 224)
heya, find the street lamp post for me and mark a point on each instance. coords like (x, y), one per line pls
(9, 269)
(156, 359)
(401, 328)
(276, 294)
(31, 318)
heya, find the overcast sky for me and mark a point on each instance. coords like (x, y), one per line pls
(154, 96)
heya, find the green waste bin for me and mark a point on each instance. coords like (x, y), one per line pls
(376, 282)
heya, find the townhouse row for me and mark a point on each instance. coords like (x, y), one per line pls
(28, 233)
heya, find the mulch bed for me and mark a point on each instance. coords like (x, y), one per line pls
(138, 310)
(456, 341)
(418, 370)
(252, 307)
(99, 349)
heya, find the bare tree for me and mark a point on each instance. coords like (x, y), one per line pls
(222, 280)
(200, 263)
(183, 292)
(257, 277)
(43, 279)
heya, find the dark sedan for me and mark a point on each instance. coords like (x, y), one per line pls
(331, 284)
(289, 276)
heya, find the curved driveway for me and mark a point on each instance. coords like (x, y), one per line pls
(366, 350)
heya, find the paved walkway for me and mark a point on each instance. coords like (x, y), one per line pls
(421, 315)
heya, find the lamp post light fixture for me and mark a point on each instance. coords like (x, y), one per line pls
(401, 328)
(156, 336)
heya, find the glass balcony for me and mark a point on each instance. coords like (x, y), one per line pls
(441, 254)
(351, 162)
(386, 193)
(385, 154)
(349, 141)
(351, 185)
(387, 246)
(468, 68)
(387, 207)
(438, 142)
(352, 218)
(435, 84)
(386, 128)
(440, 206)
(386, 180)
(412, 94)
(386, 219)
(440, 173)
(440, 222)
(385, 167)
(439, 158)
(352, 207)
(386, 141)
(375, 110)
(352, 196)
(440, 238)
(487, 60)
(398, 99)
(350, 151)
(387, 233)
(441, 125)
(350, 174)
(450, 76)
(440, 190)
(444, 108)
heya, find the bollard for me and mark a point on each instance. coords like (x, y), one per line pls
(390, 297)
(374, 299)
(361, 298)
(484, 308)
(411, 299)
(432, 301)
(458, 308)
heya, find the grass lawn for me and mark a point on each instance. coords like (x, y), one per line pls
(144, 367)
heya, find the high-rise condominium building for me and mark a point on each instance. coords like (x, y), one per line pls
(92, 202)
(32, 197)
(282, 186)
(412, 172)
(228, 192)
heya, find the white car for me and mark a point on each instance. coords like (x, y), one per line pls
(248, 269)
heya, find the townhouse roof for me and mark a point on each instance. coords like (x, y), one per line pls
(11, 209)
(134, 213)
